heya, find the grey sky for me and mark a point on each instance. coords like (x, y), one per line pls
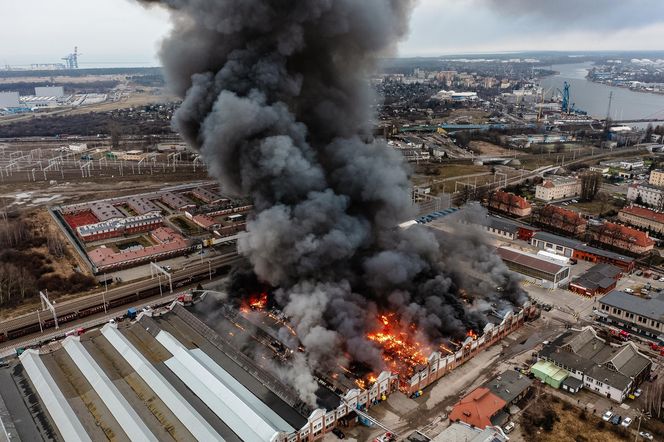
(121, 31)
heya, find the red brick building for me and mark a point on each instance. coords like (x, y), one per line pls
(509, 203)
(622, 237)
(561, 219)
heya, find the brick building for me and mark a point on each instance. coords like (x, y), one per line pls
(510, 203)
(561, 219)
(622, 237)
(643, 218)
(598, 280)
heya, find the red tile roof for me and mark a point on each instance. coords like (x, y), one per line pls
(477, 408)
(638, 237)
(511, 199)
(642, 212)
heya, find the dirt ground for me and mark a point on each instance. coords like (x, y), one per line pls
(571, 426)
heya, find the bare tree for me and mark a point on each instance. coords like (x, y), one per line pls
(590, 184)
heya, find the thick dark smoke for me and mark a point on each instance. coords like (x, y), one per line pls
(277, 101)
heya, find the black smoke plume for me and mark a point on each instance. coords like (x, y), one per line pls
(277, 101)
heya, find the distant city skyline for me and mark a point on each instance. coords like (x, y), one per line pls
(112, 32)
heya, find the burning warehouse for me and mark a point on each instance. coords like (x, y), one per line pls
(278, 105)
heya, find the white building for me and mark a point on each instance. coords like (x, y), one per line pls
(650, 195)
(557, 188)
(50, 91)
(9, 99)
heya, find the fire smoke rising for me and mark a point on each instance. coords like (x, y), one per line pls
(277, 101)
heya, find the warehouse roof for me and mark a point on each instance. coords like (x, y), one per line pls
(501, 224)
(509, 385)
(555, 239)
(529, 260)
(605, 253)
(650, 308)
(599, 276)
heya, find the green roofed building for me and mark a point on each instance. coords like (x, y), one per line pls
(548, 373)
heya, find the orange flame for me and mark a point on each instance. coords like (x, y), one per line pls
(472, 334)
(402, 352)
(258, 301)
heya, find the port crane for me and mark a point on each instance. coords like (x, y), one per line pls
(71, 60)
(567, 107)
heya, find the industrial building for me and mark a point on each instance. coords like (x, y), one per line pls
(540, 271)
(643, 315)
(9, 100)
(612, 371)
(598, 280)
(554, 243)
(462, 432)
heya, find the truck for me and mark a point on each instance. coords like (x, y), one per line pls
(185, 298)
(132, 312)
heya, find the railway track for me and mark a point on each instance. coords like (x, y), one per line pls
(14, 328)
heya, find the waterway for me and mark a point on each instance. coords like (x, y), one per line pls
(594, 97)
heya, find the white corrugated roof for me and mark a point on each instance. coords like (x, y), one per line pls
(124, 414)
(232, 406)
(193, 421)
(63, 415)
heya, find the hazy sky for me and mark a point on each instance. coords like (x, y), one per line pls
(122, 32)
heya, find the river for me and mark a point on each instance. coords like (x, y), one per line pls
(594, 97)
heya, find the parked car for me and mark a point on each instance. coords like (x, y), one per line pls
(509, 427)
(616, 420)
(626, 422)
(638, 392)
(646, 435)
(661, 279)
(628, 290)
(607, 415)
(337, 432)
(638, 273)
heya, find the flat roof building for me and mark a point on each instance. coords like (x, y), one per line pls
(644, 315)
(540, 271)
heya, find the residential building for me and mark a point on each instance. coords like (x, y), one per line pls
(643, 315)
(509, 203)
(511, 386)
(558, 188)
(554, 243)
(643, 218)
(646, 194)
(622, 237)
(656, 178)
(609, 370)
(479, 408)
(598, 280)
(561, 219)
(535, 269)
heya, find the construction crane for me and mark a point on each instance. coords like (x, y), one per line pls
(566, 106)
(71, 60)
